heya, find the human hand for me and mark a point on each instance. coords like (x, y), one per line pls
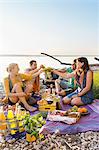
(42, 66)
(53, 70)
(28, 94)
(74, 96)
(41, 70)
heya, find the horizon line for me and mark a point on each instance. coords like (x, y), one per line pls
(39, 55)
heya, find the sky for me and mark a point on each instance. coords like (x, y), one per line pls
(58, 27)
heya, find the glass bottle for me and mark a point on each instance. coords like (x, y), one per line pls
(3, 124)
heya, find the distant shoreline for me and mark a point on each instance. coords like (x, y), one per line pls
(94, 67)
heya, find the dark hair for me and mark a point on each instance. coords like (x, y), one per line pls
(85, 67)
(74, 60)
(74, 64)
(32, 61)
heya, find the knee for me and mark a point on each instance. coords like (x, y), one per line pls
(74, 102)
(66, 100)
(29, 88)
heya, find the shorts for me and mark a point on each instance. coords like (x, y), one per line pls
(86, 99)
(72, 94)
(10, 103)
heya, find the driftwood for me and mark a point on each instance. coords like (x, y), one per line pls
(62, 63)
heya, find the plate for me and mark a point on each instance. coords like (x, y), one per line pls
(86, 113)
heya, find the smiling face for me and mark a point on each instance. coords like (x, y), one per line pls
(79, 64)
(15, 70)
(34, 65)
(74, 65)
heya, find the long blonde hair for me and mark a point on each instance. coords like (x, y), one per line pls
(11, 66)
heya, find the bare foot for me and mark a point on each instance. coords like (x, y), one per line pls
(30, 108)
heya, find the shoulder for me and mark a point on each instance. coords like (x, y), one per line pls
(22, 74)
(26, 76)
(27, 70)
(6, 79)
(89, 73)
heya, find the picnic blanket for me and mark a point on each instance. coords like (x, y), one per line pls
(86, 123)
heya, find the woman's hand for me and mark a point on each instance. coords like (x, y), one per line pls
(74, 96)
(41, 70)
(42, 66)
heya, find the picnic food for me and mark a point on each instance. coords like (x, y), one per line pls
(47, 69)
(33, 125)
(82, 110)
(63, 116)
(74, 108)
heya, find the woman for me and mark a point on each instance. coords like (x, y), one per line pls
(15, 87)
(84, 78)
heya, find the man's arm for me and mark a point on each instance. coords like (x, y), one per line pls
(31, 72)
(64, 75)
(28, 71)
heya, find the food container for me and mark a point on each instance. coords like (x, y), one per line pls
(48, 107)
(61, 116)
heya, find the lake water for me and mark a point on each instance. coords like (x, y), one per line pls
(23, 62)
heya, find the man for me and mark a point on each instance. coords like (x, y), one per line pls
(65, 86)
(33, 70)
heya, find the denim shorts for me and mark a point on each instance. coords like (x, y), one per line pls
(72, 94)
(86, 99)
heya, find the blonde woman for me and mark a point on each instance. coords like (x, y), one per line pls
(15, 87)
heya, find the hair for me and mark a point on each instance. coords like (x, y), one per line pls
(74, 63)
(11, 66)
(32, 61)
(74, 60)
(85, 67)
